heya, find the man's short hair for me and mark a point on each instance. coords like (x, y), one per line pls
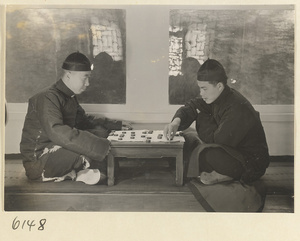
(212, 71)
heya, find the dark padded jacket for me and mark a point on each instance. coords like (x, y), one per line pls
(231, 122)
(54, 116)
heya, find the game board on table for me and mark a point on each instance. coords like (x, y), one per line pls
(143, 136)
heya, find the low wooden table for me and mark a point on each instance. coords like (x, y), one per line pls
(146, 150)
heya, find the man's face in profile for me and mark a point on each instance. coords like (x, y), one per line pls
(78, 81)
(209, 92)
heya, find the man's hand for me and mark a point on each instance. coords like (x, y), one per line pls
(126, 126)
(171, 129)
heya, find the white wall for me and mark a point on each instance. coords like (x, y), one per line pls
(278, 121)
(147, 86)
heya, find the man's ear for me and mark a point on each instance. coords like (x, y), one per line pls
(68, 74)
(220, 86)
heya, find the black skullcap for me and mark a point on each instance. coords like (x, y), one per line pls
(77, 62)
(212, 71)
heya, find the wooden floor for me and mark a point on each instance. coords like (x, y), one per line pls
(142, 185)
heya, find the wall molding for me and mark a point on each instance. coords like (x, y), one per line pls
(268, 113)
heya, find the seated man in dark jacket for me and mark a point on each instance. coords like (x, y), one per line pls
(230, 143)
(59, 140)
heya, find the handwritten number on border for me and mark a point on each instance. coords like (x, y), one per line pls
(30, 224)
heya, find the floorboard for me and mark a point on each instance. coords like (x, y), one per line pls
(143, 185)
(123, 202)
(279, 204)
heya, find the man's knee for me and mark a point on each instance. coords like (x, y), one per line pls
(217, 159)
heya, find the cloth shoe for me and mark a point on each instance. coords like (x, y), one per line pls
(213, 178)
(89, 176)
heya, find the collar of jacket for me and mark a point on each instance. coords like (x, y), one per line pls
(60, 85)
(223, 95)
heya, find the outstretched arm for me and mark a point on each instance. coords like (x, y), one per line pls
(171, 128)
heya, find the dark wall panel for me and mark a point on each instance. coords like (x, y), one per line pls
(256, 47)
(38, 41)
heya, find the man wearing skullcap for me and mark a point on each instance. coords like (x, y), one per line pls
(59, 140)
(230, 142)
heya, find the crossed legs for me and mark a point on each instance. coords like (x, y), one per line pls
(63, 164)
(216, 165)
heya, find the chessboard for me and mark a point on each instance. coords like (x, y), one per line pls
(148, 136)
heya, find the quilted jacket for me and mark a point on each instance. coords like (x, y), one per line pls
(232, 123)
(55, 116)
